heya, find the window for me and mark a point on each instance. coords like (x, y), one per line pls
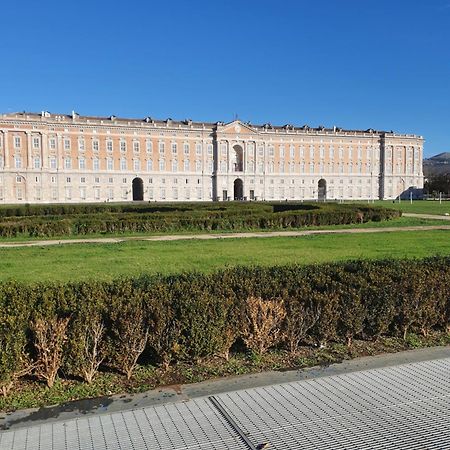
(81, 145)
(162, 165)
(19, 193)
(97, 180)
(223, 149)
(137, 165)
(109, 146)
(110, 180)
(251, 166)
(68, 192)
(260, 167)
(66, 144)
(67, 163)
(36, 142)
(2, 164)
(174, 148)
(199, 193)
(186, 165)
(311, 151)
(123, 146)
(149, 165)
(148, 146)
(223, 166)
(198, 166)
(174, 165)
(136, 147)
(123, 164)
(271, 151)
(53, 162)
(83, 180)
(110, 194)
(97, 193)
(175, 193)
(96, 164)
(161, 147)
(186, 149)
(95, 146)
(37, 162)
(292, 151)
(198, 149)
(52, 143)
(68, 180)
(281, 151)
(163, 193)
(209, 149)
(17, 142)
(82, 163)
(261, 150)
(17, 162)
(210, 166)
(110, 164)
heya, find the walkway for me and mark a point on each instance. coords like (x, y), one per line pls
(253, 234)
(401, 406)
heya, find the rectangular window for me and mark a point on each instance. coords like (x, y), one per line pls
(97, 193)
(82, 164)
(161, 148)
(210, 149)
(83, 180)
(95, 146)
(68, 192)
(123, 146)
(186, 149)
(17, 142)
(17, 162)
(148, 146)
(110, 164)
(81, 145)
(198, 149)
(96, 164)
(123, 164)
(137, 165)
(186, 165)
(54, 194)
(53, 162)
(136, 147)
(52, 143)
(36, 142)
(174, 148)
(149, 165)
(19, 193)
(37, 162)
(109, 146)
(162, 165)
(66, 144)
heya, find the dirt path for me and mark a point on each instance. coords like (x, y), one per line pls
(255, 234)
(426, 216)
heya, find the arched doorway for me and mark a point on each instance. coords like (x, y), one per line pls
(322, 190)
(238, 189)
(138, 190)
(237, 159)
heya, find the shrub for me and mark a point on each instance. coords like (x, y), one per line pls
(262, 328)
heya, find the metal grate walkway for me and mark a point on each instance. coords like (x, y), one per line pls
(400, 407)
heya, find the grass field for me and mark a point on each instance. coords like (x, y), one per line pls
(418, 206)
(107, 261)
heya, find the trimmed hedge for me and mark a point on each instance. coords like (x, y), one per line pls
(73, 220)
(162, 320)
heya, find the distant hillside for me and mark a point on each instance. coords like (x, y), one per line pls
(437, 165)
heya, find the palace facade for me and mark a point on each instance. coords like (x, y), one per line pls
(56, 158)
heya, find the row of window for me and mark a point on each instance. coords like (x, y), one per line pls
(323, 152)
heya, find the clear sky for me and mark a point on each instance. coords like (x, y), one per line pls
(382, 64)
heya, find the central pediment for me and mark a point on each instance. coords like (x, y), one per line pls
(236, 127)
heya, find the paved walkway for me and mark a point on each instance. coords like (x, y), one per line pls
(426, 216)
(396, 401)
(254, 234)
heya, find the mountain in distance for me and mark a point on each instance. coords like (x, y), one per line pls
(437, 165)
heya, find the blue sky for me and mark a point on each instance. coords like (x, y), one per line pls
(383, 64)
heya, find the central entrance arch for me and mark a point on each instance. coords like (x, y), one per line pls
(322, 190)
(238, 189)
(138, 190)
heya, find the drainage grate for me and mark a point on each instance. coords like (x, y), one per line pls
(400, 407)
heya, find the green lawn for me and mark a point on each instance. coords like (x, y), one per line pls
(418, 206)
(106, 261)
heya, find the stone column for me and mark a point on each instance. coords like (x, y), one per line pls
(29, 163)
(6, 147)
(44, 150)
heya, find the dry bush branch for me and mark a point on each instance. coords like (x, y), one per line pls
(262, 329)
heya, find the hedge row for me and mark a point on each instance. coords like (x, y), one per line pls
(77, 327)
(289, 216)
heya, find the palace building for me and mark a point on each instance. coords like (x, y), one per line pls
(57, 158)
